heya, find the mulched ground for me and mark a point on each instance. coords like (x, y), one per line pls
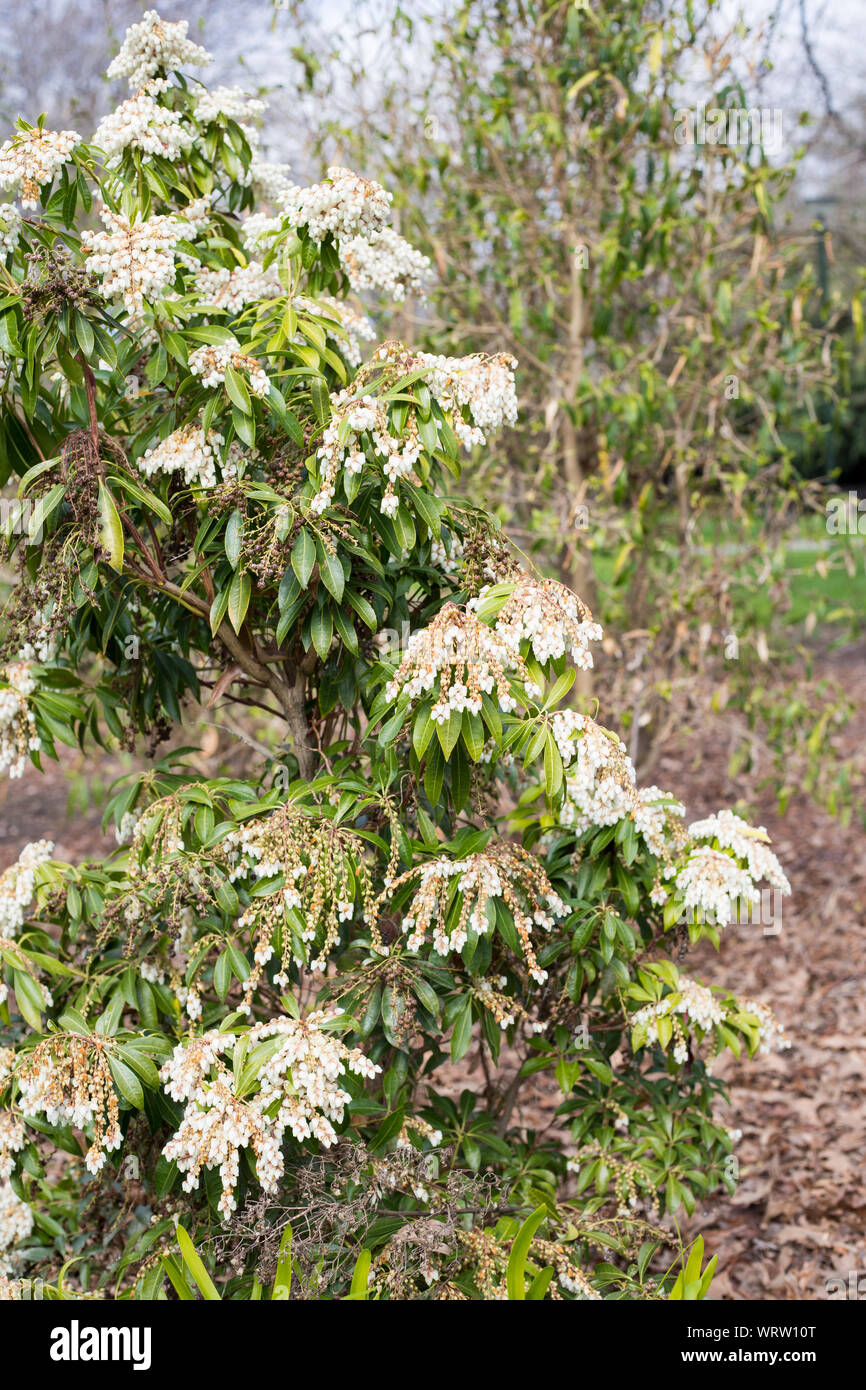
(796, 1228)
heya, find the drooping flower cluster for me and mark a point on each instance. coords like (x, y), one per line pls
(16, 1223)
(342, 446)
(67, 1079)
(10, 228)
(461, 659)
(545, 614)
(502, 871)
(18, 884)
(481, 384)
(232, 289)
(141, 123)
(13, 1137)
(269, 181)
(712, 884)
(151, 46)
(298, 1081)
(360, 421)
(18, 735)
(385, 261)
(211, 361)
(751, 843)
(227, 103)
(693, 1008)
(600, 786)
(691, 1003)
(32, 158)
(345, 204)
(323, 872)
(772, 1035)
(187, 451)
(135, 259)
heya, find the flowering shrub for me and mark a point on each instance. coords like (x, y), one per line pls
(253, 1016)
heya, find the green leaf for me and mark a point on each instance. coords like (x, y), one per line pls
(218, 610)
(331, 571)
(283, 1278)
(515, 1278)
(461, 1034)
(360, 1275)
(202, 1279)
(303, 557)
(143, 496)
(126, 1082)
(239, 599)
(321, 400)
(422, 730)
(237, 390)
(322, 629)
(110, 528)
(449, 732)
(179, 1284)
(234, 538)
(363, 608)
(31, 1004)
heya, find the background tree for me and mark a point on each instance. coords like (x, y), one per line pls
(675, 358)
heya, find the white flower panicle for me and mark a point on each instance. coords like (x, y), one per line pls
(135, 259)
(18, 884)
(32, 158)
(344, 205)
(481, 384)
(68, 1080)
(211, 361)
(196, 214)
(187, 451)
(13, 1137)
(16, 1223)
(460, 659)
(18, 735)
(298, 1081)
(228, 103)
(257, 232)
(270, 182)
(386, 262)
(712, 884)
(10, 228)
(323, 872)
(693, 1006)
(153, 45)
(360, 425)
(547, 615)
(694, 1003)
(352, 417)
(230, 290)
(772, 1036)
(502, 871)
(140, 123)
(730, 831)
(600, 786)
